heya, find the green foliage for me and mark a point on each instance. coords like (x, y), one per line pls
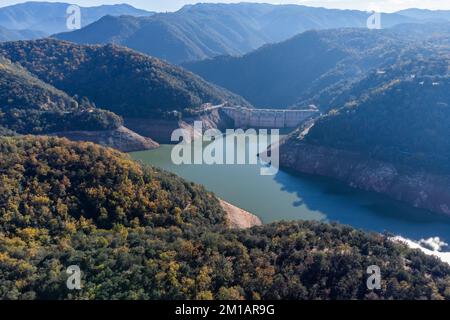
(316, 67)
(6, 132)
(140, 233)
(404, 122)
(115, 78)
(29, 105)
(42, 122)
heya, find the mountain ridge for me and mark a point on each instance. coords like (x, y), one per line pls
(206, 30)
(50, 17)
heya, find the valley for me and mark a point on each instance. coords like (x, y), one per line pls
(91, 178)
(290, 196)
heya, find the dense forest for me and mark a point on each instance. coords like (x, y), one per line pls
(138, 232)
(316, 66)
(31, 106)
(402, 121)
(115, 78)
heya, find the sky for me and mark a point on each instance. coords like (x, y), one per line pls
(172, 5)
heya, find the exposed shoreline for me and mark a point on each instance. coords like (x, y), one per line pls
(122, 139)
(239, 218)
(419, 189)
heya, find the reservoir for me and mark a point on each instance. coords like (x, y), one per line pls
(293, 196)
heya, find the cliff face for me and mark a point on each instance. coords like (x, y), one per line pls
(121, 139)
(418, 188)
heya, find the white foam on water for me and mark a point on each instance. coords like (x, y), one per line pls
(431, 246)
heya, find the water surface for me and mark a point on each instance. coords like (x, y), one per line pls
(289, 196)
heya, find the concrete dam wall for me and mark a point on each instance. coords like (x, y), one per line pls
(267, 118)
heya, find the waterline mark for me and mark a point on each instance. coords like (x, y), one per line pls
(236, 147)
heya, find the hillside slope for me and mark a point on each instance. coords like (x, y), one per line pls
(141, 233)
(115, 78)
(28, 105)
(391, 137)
(315, 66)
(31, 106)
(278, 75)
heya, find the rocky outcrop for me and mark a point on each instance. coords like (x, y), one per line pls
(161, 130)
(238, 218)
(122, 139)
(419, 188)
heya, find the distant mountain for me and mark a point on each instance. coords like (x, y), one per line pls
(278, 75)
(13, 35)
(419, 43)
(116, 78)
(206, 30)
(50, 18)
(314, 67)
(429, 15)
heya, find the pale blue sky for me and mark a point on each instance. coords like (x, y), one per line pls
(171, 5)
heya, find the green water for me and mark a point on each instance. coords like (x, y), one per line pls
(289, 196)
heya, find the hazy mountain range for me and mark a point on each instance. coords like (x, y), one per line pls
(427, 15)
(49, 18)
(13, 35)
(205, 30)
(194, 32)
(313, 64)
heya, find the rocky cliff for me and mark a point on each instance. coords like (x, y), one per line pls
(419, 188)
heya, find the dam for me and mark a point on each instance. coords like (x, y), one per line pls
(267, 118)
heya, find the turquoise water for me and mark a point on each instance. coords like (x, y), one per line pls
(289, 196)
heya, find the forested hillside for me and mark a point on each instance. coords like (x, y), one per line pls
(115, 78)
(141, 233)
(28, 105)
(428, 58)
(404, 122)
(278, 75)
(314, 67)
